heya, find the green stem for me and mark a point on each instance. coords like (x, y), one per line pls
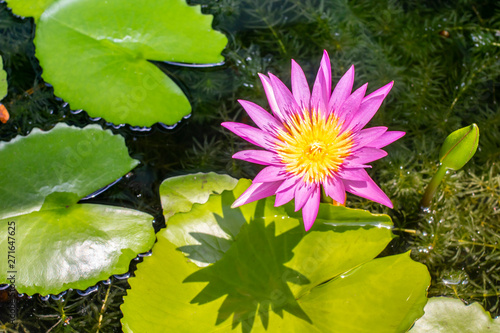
(432, 187)
(324, 197)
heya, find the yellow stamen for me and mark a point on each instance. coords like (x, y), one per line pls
(313, 147)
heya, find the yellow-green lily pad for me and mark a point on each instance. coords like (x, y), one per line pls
(97, 54)
(255, 269)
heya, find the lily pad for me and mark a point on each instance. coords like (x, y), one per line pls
(97, 54)
(255, 268)
(178, 194)
(54, 242)
(29, 8)
(450, 315)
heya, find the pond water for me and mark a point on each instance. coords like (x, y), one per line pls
(444, 59)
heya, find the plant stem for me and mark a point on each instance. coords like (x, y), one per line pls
(103, 308)
(410, 231)
(326, 199)
(432, 187)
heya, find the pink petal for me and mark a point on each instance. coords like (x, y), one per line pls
(262, 157)
(310, 210)
(322, 85)
(367, 189)
(263, 119)
(369, 107)
(368, 135)
(268, 88)
(289, 182)
(251, 134)
(354, 174)
(364, 155)
(342, 90)
(255, 192)
(326, 68)
(300, 88)
(334, 188)
(351, 105)
(386, 139)
(270, 174)
(302, 192)
(284, 97)
(284, 195)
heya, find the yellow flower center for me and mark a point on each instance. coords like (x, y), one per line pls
(312, 146)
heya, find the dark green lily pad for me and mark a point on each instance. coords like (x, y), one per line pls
(57, 243)
(255, 268)
(97, 55)
(448, 315)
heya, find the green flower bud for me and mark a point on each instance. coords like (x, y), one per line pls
(459, 147)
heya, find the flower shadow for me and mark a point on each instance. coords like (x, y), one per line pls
(251, 272)
(213, 245)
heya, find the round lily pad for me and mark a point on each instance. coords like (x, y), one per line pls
(255, 269)
(448, 315)
(51, 242)
(97, 54)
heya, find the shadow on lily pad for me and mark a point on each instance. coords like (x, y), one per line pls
(254, 277)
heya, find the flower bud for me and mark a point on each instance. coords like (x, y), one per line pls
(459, 147)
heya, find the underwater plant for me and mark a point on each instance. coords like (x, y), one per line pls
(315, 142)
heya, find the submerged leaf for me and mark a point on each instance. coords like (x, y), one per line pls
(256, 269)
(58, 243)
(97, 55)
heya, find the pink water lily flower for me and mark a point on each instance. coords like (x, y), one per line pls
(314, 140)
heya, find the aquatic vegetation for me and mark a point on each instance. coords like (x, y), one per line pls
(315, 142)
(57, 243)
(98, 56)
(265, 272)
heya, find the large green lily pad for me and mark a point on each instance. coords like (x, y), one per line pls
(254, 268)
(448, 315)
(96, 54)
(54, 242)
